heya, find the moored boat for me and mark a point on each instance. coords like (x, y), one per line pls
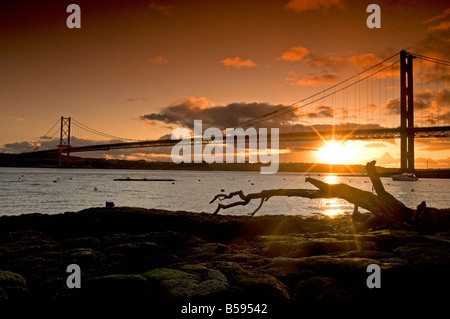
(405, 177)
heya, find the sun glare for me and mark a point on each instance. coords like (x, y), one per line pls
(334, 153)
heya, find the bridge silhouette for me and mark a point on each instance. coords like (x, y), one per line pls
(370, 85)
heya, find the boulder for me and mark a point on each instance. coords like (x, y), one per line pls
(426, 256)
(301, 246)
(254, 285)
(12, 286)
(188, 282)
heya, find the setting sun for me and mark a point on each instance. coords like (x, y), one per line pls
(335, 153)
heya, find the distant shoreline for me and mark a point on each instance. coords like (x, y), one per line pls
(9, 160)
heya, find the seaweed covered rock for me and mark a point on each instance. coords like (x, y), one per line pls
(188, 282)
(139, 254)
(12, 286)
(253, 284)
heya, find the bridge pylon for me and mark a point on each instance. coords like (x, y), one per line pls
(64, 138)
(406, 112)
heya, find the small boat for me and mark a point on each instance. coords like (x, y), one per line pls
(405, 177)
(128, 179)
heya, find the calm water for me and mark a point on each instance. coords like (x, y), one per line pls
(44, 190)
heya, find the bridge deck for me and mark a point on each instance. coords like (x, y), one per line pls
(419, 132)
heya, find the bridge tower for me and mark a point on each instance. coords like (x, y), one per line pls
(64, 138)
(406, 112)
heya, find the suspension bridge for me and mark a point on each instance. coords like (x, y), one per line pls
(402, 97)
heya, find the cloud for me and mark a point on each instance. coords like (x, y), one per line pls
(364, 61)
(443, 26)
(311, 80)
(184, 111)
(308, 5)
(327, 62)
(443, 97)
(424, 100)
(295, 54)
(440, 16)
(321, 111)
(49, 143)
(393, 106)
(238, 63)
(149, 153)
(18, 147)
(159, 60)
(164, 9)
(301, 53)
(45, 137)
(423, 160)
(435, 43)
(429, 106)
(445, 161)
(433, 144)
(16, 119)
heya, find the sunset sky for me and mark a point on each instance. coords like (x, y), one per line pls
(139, 69)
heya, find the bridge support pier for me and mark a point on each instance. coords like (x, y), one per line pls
(64, 139)
(406, 112)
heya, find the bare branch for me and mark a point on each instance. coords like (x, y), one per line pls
(382, 204)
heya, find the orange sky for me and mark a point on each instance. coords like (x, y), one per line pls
(133, 63)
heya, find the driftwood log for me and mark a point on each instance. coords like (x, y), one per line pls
(385, 207)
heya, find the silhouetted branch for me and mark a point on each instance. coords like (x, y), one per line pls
(382, 204)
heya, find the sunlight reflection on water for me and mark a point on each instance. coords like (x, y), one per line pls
(331, 179)
(331, 207)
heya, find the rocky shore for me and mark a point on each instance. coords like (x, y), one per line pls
(158, 256)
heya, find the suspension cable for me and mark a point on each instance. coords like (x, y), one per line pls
(264, 116)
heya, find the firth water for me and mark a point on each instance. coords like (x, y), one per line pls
(52, 191)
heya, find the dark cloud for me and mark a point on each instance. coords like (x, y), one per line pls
(45, 137)
(148, 153)
(49, 144)
(432, 107)
(423, 100)
(184, 112)
(18, 147)
(393, 106)
(435, 44)
(321, 111)
(443, 97)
